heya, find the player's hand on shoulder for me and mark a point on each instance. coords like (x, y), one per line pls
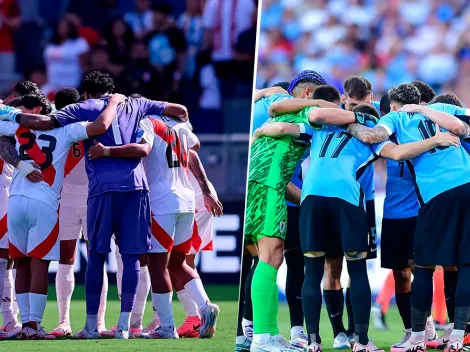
(410, 108)
(117, 98)
(96, 151)
(8, 113)
(446, 139)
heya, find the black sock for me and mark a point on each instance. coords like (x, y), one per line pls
(349, 310)
(421, 297)
(247, 261)
(404, 307)
(450, 285)
(312, 297)
(334, 301)
(294, 281)
(462, 298)
(248, 309)
(361, 298)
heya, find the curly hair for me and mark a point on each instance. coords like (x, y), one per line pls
(96, 83)
(30, 101)
(447, 98)
(66, 96)
(426, 91)
(24, 87)
(404, 94)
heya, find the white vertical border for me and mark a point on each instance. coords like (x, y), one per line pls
(258, 28)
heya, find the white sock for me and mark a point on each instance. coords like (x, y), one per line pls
(408, 330)
(124, 320)
(103, 299)
(7, 298)
(188, 304)
(295, 330)
(261, 338)
(16, 308)
(141, 297)
(162, 304)
(64, 285)
(417, 336)
(37, 305)
(119, 271)
(91, 322)
(457, 335)
(23, 304)
(197, 293)
(246, 322)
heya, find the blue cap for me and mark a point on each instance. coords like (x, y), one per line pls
(306, 75)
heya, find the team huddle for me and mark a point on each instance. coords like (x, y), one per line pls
(112, 168)
(315, 149)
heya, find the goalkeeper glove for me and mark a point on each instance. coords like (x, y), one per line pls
(7, 113)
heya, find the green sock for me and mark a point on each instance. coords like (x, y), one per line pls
(275, 302)
(262, 295)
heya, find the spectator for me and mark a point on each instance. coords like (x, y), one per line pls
(99, 61)
(245, 50)
(190, 23)
(9, 22)
(140, 76)
(63, 56)
(224, 20)
(119, 39)
(91, 35)
(167, 49)
(141, 20)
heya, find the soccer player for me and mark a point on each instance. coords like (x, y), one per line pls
(72, 221)
(32, 208)
(442, 235)
(22, 88)
(323, 226)
(425, 90)
(112, 182)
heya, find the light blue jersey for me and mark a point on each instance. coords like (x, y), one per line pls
(261, 109)
(337, 162)
(437, 170)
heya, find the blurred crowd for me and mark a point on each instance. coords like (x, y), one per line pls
(388, 42)
(196, 52)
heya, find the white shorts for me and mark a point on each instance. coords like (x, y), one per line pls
(203, 232)
(172, 232)
(3, 217)
(33, 228)
(72, 221)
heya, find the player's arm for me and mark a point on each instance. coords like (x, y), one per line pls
(293, 193)
(178, 111)
(449, 122)
(211, 201)
(276, 130)
(376, 134)
(295, 105)
(410, 150)
(267, 92)
(338, 117)
(104, 120)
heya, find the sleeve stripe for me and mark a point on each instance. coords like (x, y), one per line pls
(389, 131)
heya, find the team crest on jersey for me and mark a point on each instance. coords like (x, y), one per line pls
(282, 226)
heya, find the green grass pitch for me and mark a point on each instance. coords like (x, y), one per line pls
(225, 296)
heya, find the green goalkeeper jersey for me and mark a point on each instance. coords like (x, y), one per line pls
(273, 160)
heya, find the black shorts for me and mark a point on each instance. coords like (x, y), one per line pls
(396, 243)
(292, 234)
(443, 229)
(333, 226)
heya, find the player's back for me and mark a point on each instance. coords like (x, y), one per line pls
(48, 149)
(75, 188)
(337, 163)
(437, 170)
(113, 174)
(167, 165)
